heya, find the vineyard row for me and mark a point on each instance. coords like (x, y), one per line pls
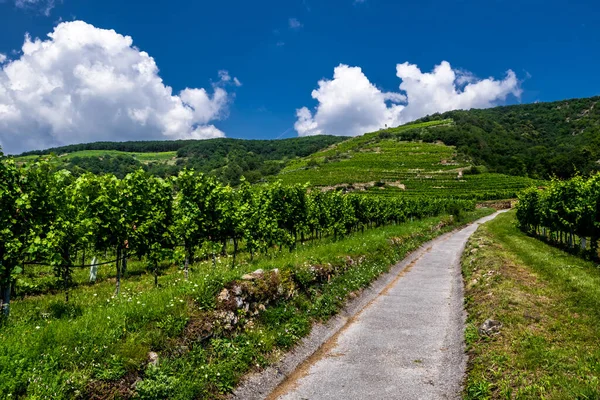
(50, 215)
(566, 213)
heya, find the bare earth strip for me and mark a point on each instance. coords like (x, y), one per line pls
(402, 339)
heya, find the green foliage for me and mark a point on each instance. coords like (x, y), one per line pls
(150, 210)
(229, 160)
(57, 239)
(389, 164)
(63, 215)
(156, 385)
(564, 211)
(539, 140)
(13, 229)
(194, 210)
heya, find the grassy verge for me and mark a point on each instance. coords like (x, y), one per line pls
(549, 305)
(196, 338)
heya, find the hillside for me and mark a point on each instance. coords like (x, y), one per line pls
(227, 159)
(537, 140)
(383, 163)
(511, 146)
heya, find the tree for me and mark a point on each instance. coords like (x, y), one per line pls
(13, 229)
(195, 194)
(105, 203)
(196, 217)
(231, 211)
(68, 229)
(150, 204)
(260, 227)
(290, 209)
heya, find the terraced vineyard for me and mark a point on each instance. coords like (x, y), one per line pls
(477, 187)
(379, 163)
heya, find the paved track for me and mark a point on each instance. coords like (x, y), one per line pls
(407, 343)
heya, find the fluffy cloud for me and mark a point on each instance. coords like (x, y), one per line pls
(87, 84)
(350, 104)
(445, 89)
(2, 58)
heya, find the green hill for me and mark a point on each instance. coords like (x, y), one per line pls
(228, 159)
(512, 147)
(537, 140)
(382, 163)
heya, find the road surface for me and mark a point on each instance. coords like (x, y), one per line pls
(407, 343)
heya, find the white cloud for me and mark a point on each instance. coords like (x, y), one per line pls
(294, 23)
(2, 58)
(224, 75)
(227, 79)
(86, 84)
(44, 6)
(437, 91)
(350, 104)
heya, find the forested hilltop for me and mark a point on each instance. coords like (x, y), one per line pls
(538, 140)
(227, 159)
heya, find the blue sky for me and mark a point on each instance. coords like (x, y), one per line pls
(279, 50)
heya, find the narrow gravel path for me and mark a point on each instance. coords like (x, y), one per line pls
(407, 343)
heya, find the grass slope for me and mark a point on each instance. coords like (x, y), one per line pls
(98, 346)
(381, 163)
(228, 159)
(549, 304)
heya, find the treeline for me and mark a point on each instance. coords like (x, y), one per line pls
(141, 146)
(231, 159)
(272, 149)
(50, 216)
(118, 165)
(226, 159)
(538, 140)
(566, 213)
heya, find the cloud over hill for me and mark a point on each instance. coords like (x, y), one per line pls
(349, 104)
(87, 84)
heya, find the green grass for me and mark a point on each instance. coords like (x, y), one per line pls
(98, 345)
(549, 304)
